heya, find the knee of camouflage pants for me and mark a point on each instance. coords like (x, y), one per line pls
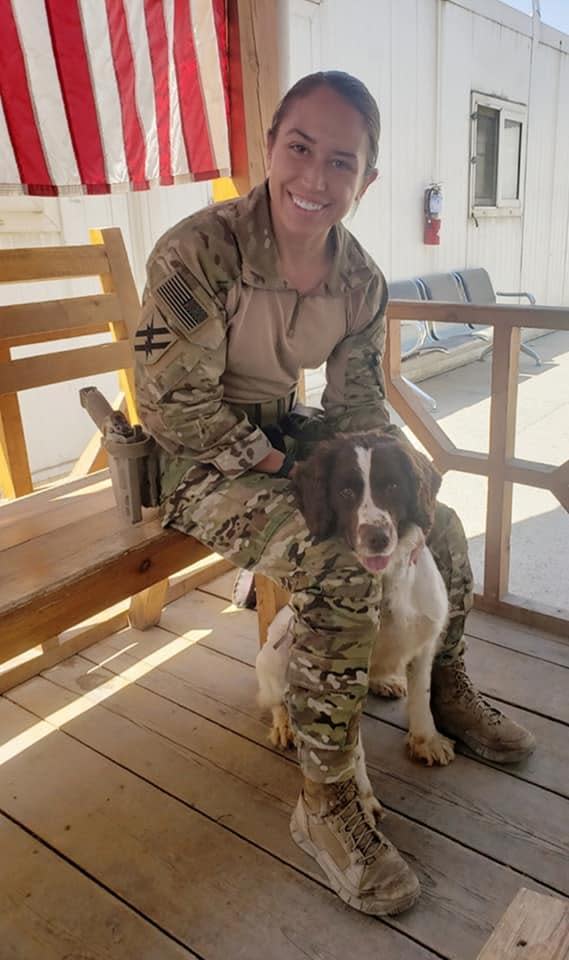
(447, 542)
(254, 522)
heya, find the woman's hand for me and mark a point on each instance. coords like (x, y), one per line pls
(271, 463)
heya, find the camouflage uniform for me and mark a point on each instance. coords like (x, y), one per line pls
(219, 351)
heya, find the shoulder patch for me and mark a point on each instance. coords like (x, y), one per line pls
(176, 294)
(152, 340)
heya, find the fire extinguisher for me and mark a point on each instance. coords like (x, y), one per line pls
(433, 210)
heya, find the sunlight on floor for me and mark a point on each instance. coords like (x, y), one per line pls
(107, 689)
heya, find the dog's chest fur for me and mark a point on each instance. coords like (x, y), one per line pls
(414, 602)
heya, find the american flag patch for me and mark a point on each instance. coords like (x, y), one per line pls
(177, 295)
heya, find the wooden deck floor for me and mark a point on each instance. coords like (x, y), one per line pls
(144, 815)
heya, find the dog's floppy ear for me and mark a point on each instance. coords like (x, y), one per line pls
(428, 481)
(311, 484)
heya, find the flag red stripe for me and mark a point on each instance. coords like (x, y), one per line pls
(18, 108)
(72, 65)
(192, 110)
(158, 46)
(135, 147)
(220, 16)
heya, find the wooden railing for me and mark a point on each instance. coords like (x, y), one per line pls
(499, 465)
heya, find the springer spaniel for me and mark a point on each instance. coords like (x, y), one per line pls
(378, 494)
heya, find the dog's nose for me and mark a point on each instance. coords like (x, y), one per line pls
(374, 539)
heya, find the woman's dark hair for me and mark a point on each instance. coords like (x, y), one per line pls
(346, 86)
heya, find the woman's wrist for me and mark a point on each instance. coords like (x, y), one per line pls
(272, 463)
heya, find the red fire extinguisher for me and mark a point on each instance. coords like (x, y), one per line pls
(433, 211)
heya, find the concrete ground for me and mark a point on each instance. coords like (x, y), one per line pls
(540, 532)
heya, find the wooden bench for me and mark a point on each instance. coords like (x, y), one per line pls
(65, 552)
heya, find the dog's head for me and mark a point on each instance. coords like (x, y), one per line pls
(367, 488)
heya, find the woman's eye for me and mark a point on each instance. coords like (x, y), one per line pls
(339, 164)
(298, 148)
(347, 493)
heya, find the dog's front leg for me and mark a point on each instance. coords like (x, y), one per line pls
(423, 740)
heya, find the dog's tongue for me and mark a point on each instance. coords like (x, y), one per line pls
(376, 563)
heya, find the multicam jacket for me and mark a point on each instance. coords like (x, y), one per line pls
(220, 327)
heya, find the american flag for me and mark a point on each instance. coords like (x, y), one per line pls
(105, 95)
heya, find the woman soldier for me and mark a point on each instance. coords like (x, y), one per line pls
(240, 298)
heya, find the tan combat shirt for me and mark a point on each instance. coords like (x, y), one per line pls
(220, 327)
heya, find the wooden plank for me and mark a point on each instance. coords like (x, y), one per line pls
(121, 281)
(37, 923)
(40, 371)
(51, 263)
(527, 612)
(505, 316)
(72, 573)
(515, 678)
(146, 607)
(259, 49)
(468, 802)
(503, 409)
(58, 319)
(102, 625)
(533, 926)
(198, 762)
(527, 640)
(193, 876)
(55, 512)
(15, 475)
(52, 497)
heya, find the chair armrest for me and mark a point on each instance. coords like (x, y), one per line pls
(530, 296)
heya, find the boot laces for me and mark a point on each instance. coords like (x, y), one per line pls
(361, 835)
(472, 697)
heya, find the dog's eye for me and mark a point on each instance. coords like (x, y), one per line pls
(391, 487)
(347, 493)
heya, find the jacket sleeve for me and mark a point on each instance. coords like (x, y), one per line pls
(354, 398)
(181, 345)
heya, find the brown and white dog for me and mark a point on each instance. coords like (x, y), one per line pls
(378, 494)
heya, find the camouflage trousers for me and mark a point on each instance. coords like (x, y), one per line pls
(254, 522)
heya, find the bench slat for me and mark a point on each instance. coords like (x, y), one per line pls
(68, 574)
(58, 319)
(66, 365)
(51, 263)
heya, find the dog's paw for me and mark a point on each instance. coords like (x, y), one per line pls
(281, 735)
(372, 807)
(433, 750)
(391, 687)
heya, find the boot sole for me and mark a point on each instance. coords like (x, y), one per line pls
(486, 753)
(391, 908)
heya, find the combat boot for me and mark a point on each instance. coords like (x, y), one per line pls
(460, 711)
(331, 825)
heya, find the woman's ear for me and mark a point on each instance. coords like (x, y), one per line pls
(311, 484)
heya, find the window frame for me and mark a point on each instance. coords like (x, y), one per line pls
(507, 110)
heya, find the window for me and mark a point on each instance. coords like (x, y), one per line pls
(497, 157)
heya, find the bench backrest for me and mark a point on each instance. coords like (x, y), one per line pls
(114, 309)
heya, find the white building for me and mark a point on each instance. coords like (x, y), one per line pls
(455, 80)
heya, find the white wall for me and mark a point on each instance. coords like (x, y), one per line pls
(421, 59)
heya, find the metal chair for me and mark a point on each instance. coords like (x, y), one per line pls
(477, 287)
(446, 288)
(422, 342)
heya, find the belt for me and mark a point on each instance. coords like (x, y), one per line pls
(270, 411)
